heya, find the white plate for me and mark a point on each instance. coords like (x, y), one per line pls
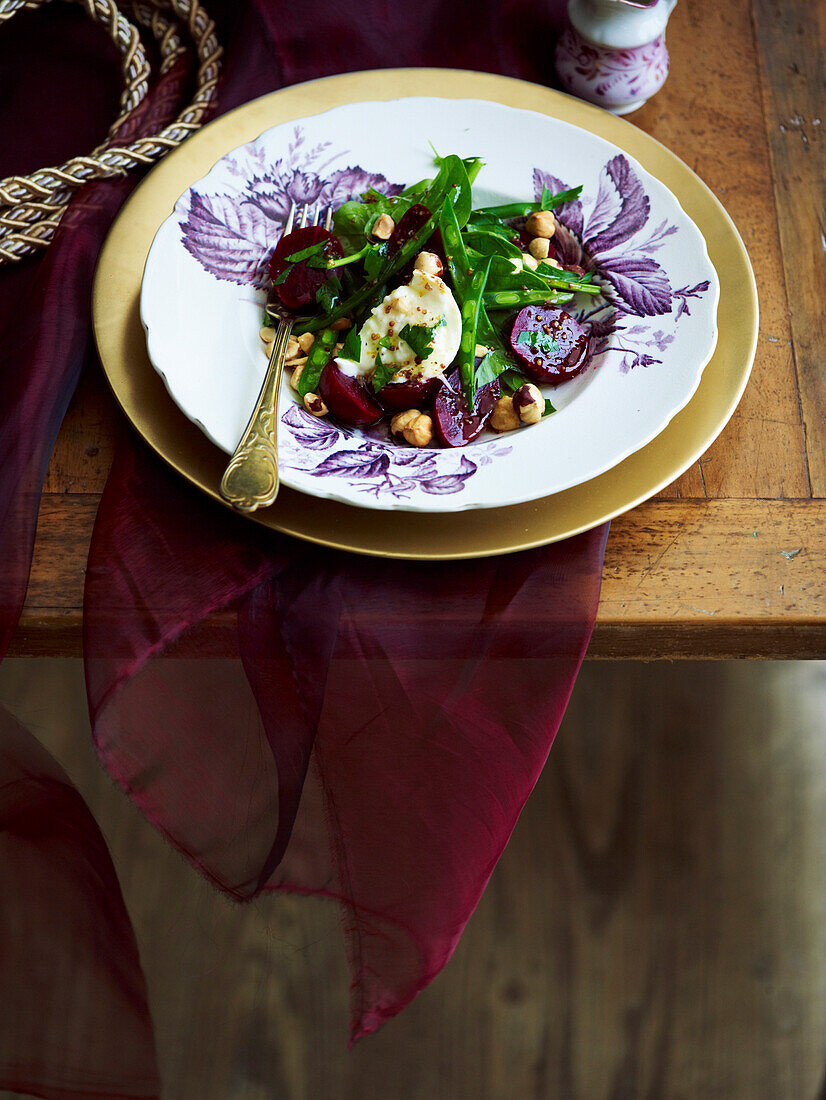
(655, 329)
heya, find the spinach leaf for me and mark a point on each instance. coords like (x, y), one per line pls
(494, 364)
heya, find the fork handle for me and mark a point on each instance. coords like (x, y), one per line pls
(250, 480)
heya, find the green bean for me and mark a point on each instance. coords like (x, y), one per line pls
(509, 299)
(317, 360)
(522, 209)
(453, 242)
(471, 308)
(452, 174)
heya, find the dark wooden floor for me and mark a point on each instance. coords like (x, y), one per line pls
(656, 929)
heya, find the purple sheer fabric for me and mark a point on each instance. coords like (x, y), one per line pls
(293, 718)
(420, 700)
(74, 1021)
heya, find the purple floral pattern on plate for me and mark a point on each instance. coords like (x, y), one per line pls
(614, 243)
(231, 234)
(372, 465)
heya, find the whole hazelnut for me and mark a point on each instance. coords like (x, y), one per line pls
(383, 227)
(313, 404)
(539, 248)
(414, 426)
(529, 403)
(505, 417)
(428, 263)
(541, 223)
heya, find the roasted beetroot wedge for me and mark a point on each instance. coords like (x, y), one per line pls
(551, 345)
(347, 398)
(408, 226)
(455, 424)
(302, 282)
(415, 394)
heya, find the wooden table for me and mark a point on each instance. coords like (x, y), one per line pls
(729, 561)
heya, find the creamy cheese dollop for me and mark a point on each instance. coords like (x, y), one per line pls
(426, 300)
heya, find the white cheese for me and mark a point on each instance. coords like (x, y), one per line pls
(426, 300)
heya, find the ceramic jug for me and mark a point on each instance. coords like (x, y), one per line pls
(613, 51)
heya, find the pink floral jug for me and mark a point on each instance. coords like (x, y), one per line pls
(613, 51)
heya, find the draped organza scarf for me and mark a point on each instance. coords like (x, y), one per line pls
(292, 718)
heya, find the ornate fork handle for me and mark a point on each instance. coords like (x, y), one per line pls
(250, 480)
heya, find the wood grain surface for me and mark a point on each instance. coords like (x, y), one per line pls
(654, 930)
(742, 107)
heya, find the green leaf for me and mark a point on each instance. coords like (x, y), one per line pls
(352, 345)
(552, 201)
(419, 338)
(494, 364)
(282, 276)
(512, 380)
(457, 186)
(329, 294)
(489, 243)
(374, 259)
(383, 373)
(540, 341)
(548, 408)
(305, 253)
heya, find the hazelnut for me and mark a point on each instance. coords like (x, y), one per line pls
(267, 334)
(306, 341)
(480, 351)
(428, 263)
(341, 324)
(551, 262)
(505, 417)
(313, 404)
(539, 248)
(529, 261)
(383, 227)
(293, 347)
(415, 426)
(529, 404)
(542, 223)
(297, 372)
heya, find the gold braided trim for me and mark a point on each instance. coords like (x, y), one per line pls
(31, 206)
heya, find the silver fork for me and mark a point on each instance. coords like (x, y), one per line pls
(251, 479)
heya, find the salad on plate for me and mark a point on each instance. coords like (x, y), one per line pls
(417, 308)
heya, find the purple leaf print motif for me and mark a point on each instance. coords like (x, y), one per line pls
(227, 239)
(349, 182)
(309, 430)
(368, 462)
(232, 235)
(621, 209)
(451, 483)
(640, 285)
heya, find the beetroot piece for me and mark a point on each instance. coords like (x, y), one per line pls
(557, 352)
(415, 394)
(408, 226)
(302, 282)
(455, 425)
(347, 398)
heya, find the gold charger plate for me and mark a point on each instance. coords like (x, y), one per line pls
(476, 533)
